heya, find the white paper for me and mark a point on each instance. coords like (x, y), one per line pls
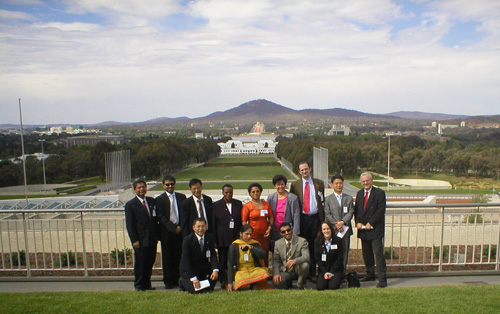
(203, 285)
(342, 234)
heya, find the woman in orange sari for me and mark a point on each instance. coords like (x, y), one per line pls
(258, 214)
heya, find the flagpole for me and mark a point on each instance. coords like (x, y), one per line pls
(22, 151)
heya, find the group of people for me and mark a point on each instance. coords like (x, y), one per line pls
(204, 242)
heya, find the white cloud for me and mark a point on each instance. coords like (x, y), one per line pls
(15, 15)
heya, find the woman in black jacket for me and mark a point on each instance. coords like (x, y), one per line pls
(329, 258)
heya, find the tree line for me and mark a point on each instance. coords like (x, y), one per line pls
(150, 157)
(461, 156)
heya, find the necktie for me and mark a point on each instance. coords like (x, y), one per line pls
(289, 255)
(201, 244)
(366, 200)
(339, 199)
(201, 214)
(306, 198)
(145, 206)
(173, 210)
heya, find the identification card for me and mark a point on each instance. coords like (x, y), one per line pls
(208, 253)
(345, 209)
(245, 257)
(333, 247)
(263, 212)
(231, 224)
(323, 257)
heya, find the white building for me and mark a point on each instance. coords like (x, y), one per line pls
(248, 147)
(339, 130)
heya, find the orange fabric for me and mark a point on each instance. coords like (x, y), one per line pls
(257, 222)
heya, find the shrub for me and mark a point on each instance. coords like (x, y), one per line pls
(473, 218)
(67, 259)
(122, 255)
(18, 257)
(492, 249)
(436, 250)
(389, 253)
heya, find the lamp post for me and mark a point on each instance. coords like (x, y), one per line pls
(388, 159)
(43, 165)
(22, 152)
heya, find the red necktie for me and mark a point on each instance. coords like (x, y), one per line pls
(306, 198)
(366, 200)
(145, 206)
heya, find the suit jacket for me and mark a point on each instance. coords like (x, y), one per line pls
(334, 258)
(374, 213)
(163, 212)
(292, 211)
(190, 213)
(334, 212)
(193, 260)
(300, 253)
(141, 226)
(319, 188)
(221, 217)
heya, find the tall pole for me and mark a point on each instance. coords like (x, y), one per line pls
(388, 160)
(22, 152)
(43, 165)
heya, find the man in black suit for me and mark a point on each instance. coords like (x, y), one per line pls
(312, 208)
(167, 208)
(226, 226)
(140, 218)
(197, 205)
(199, 260)
(369, 215)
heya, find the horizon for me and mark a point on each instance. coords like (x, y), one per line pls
(86, 62)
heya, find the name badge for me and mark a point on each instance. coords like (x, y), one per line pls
(208, 253)
(333, 247)
(245, 257)
(323, 257)
(345, 209)
(263, 212)
(231, 224)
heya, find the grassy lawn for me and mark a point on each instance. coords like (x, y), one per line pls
(240, 159)
(15, 197)
(232, 173)
(88, 181)
(455, 299)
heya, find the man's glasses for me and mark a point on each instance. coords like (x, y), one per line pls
(169, 184)
(285, 231)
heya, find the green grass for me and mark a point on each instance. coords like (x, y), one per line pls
(244, 159)
(15, 197)
(88, 181)
(233, 173)
(454, 299)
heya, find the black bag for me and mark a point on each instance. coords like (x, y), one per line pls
(351, 280)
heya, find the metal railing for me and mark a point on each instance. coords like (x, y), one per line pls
(89, 240)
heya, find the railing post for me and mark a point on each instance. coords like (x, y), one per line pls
(84, 251)
(27, 256)
(440, 267)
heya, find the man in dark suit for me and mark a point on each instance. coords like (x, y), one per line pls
(339, 209)
(290, 259)
(226, 226)
(167, 208)
(312, 208)
(199, 260)
(140, 218)
(369, 215)
(197, 205)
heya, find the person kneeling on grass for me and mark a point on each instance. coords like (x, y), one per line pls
(244, 263)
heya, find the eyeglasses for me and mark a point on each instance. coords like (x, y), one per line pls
(285, 231)
(169, 184)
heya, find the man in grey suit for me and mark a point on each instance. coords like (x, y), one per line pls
(290, 259)
(339, 209)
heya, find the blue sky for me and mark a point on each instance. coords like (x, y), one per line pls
(89, 61)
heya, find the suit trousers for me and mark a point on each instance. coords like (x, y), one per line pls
(144, 258)
(332, 284)
(369, 248)
(222, 252)
(309, 227)
(171, 250)
(346, 243)
(202, 275)
(299, 272)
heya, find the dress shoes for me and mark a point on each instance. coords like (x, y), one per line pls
(168, 286)
(382, 284)
(367, 278)
(314, 279)
(150, 288)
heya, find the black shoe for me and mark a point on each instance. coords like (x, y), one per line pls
(168, 286)
(367, 278)
(140, 289)
(382, 284)
(150, 288)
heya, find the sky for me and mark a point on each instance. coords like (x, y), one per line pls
(89, 61)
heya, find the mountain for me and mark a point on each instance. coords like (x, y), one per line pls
(417, 115)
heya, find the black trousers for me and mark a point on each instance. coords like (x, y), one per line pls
(332, 284)
(371, 248)
(201, 275)
(144, 258)
(309, 227)
(222, 251)
(171, 251)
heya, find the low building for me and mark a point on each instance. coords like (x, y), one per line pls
(249, 145)
(339, 130)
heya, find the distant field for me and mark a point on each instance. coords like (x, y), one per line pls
(232, 173)
(242, 159)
